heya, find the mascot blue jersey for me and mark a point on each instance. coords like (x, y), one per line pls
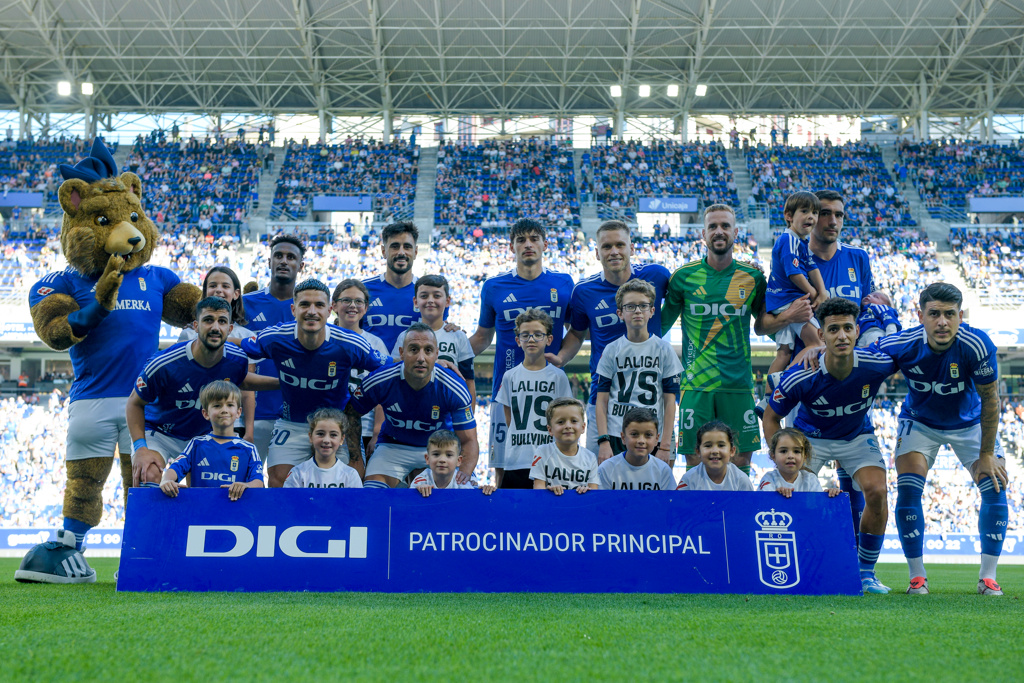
(505, 296)
(127, 336)
(170, 384)
(313, 379)
(263, 311)
(593, 308)
(830, 408)
(410, 415)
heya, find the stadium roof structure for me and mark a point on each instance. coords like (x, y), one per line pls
(515, 57)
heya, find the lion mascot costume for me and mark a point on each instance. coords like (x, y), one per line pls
(106, 308)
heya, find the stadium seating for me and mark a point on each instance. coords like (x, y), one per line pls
(492, 184)
(950, 172)
(357, 167)
(992, 262)
(854, 169)
(32, 166)
(210, 183)
(617, 176)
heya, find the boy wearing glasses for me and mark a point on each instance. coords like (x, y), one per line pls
(525, 392)
(637, 370)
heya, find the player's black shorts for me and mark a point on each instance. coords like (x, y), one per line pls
(517, 479)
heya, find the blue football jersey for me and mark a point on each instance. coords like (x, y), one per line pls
(878, 316)
(791, 256)
(313, 379)
(213, 464)
(170, 384)
(263, 311)
(113, 353)
(593, 308)
(390, 310)
(505, 296)
(847, 274)
(831, 408)
(942, 392)
(411, 416)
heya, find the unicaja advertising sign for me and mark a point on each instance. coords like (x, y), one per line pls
(668, 205)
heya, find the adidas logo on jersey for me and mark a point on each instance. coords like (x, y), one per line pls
(510, 299)
(821, 401)
(603, 305)
(916, 370)
(700, 291)
(204, 463)
(187, 389)
(377, 302)
(261, 318)
(289, 364)
(395, 408)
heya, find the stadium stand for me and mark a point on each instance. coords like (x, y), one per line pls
(356, 167)
(951, 172)
(855, 169)
(210, 183)
(491, 184)
(618, 175)
(992, 262)
(31, 165)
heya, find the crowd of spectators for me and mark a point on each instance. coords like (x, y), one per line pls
(482, 188)
(32, 165)
(950, 172)
(619, 174)
(871, 195)
(991, 261)
(210, 183)
(386, 172)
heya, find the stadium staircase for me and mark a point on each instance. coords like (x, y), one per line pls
(938, 231)
(426, 181)
(589, 220)
(268, 185)
(758, 226)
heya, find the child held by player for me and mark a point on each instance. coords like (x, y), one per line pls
(635, 469)
(716, 447)
(563, 463)
(794, 275)
(789, 449)
(877, 318)
(432, 298)
(444, 455)
(636, 370)
(220, 456)
(526, 391)
(324, 470)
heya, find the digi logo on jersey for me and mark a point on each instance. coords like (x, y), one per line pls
(268, 541)
(840, 411)
(381, 320)
(307, 383)
(940, 388)
(415, 425)
(716, 310)
(778, 565)
(554, 311)
(851, 292)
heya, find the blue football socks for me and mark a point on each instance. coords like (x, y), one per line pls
(910, 520)
(992, 519)
(79, 529)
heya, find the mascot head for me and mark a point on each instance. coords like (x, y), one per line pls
(103, 214)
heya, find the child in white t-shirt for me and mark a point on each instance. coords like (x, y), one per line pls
(716, 447)
(789, 449)
(564, 464)
(324, 470)
(444, 455)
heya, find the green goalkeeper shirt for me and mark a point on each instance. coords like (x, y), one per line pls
(716, 308)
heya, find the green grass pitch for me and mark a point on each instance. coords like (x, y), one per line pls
(93, 633)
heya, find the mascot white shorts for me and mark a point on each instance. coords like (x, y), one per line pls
(96, 426)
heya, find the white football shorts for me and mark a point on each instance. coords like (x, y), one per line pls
(862, 451)
(788, 335)
(966, 443)
(167, 446)
(396, 460)
(499, 432)
(262, 430)
(592, 428)
(96, 426)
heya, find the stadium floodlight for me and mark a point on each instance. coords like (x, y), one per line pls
(86, 88)
(673, 90)
(616, 91)
(701, 91)
(645, 91)
(63, 88)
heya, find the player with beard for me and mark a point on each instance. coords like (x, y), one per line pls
(163, 411)
(391, 309)
(267, 307)
(716, 297)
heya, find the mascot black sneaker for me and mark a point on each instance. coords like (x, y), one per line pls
(55, 562)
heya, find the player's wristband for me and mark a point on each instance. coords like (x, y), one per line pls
(604, 438)
(139, 443)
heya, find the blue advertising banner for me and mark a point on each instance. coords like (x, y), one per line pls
(26, 200)
(667, 205)
(360, 203)
(23, 539)
(512, 541)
